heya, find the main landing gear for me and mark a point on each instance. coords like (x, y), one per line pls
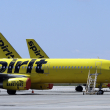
(11, 92)
(79, 88)
(100, 92)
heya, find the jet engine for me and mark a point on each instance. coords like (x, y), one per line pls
(16, 84)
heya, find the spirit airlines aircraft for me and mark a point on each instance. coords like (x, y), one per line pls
(24, 74)
(35, 51)
(7, 51)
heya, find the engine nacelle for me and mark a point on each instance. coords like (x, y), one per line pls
(17, 84)
(41, 86)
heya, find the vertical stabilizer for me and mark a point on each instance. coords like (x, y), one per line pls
(6, 50)
(35, 50)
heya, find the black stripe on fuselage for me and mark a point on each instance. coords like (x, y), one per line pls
(39, 66)
(10, 67)
(18, 64)
(29, 68)
(4, 65)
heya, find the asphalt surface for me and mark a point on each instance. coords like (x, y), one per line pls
(60, 98)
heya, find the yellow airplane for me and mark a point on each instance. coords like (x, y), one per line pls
(19, 74)
(24, 74)
(35, 51)
(7, 51)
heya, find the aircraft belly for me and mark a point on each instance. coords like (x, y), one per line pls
(73, 77)
(35, 78)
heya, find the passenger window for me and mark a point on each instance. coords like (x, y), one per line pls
(62, 66)
(88, 67)
(78, 67)
(91, 67)
(84, 66)
(65, 66)
(53, 67)
(28, 66)
(75, 67)
(9, 66)
(56, 66)
(72, 67)
(81, 67)
(3, 66)
(69, 67)
(22, 66)
(59, 66)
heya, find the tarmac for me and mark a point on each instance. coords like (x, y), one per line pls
(59, 98)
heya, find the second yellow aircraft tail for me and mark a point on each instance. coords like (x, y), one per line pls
(6, 50)
(35, 50)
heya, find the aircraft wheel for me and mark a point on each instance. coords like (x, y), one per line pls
(11, 92)
(79, 88)
(100, 92)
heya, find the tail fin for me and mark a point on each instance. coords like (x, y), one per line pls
(35, 50)
(6, 50)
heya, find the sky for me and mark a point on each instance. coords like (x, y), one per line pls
(62, 28)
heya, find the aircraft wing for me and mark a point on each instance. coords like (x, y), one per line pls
(2, 75)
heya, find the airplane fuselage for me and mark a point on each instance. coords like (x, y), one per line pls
(57, 70)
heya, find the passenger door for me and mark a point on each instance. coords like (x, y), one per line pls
(46, 68)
